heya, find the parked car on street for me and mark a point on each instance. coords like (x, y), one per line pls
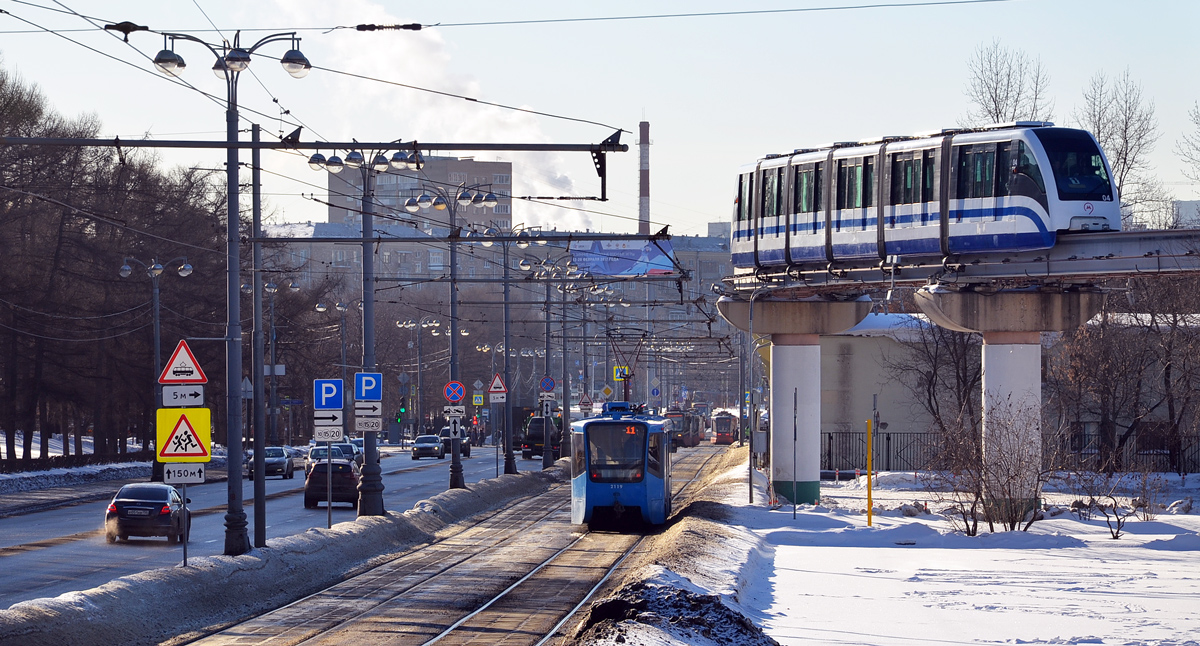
(428, 445)
(350, 451)
(146, 509)
(464, 447)
(345, 483)
(319, 454)
(276, 460)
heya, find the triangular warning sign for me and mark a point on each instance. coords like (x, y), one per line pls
(183, 442)
(585, 401)
(182, 367)
(497, 385)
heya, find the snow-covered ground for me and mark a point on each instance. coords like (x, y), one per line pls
(825, 577)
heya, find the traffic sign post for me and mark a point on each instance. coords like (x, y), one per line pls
(497, 398)
(184, 474)
(368, 386)
(183, 434)
(182, 367)
(327, 433)
(455, 427)
(547, 383)
(179, 396)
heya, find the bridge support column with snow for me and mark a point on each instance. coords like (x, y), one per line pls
(794, 328)
(1011, 323)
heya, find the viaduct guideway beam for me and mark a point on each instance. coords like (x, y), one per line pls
(1011, 323)
(795, 328)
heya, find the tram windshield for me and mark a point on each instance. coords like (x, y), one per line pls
(1077, 164)
(616, 451)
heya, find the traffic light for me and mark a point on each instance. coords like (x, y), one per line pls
(403, 409)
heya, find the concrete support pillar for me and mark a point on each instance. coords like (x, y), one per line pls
(1012, 405)
(795, 374)
(796, 417)
(1011, 322)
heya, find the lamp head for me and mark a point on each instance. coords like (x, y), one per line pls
(237, 60)
(321, 307)
(380, 163)
(185, 269)
(400, 160)
(334, 164)
(126, 271)
(354, 159)
(295, 63)
(317, 161)
(169, 63)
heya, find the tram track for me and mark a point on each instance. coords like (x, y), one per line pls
(515, 577)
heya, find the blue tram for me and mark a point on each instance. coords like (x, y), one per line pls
(1007, 187)
(620, 467)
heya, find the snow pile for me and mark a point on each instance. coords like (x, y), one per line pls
(665, 609)
(33, 480)
(215, 591)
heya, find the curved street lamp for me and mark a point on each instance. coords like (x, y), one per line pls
(230, 60)
(153, 271)
(426, 323)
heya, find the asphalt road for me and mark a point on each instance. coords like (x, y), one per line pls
(48, 553)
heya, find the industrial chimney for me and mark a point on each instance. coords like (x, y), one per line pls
(644, 178)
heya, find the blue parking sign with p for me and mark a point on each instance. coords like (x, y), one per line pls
(327, 394)
(368, 386)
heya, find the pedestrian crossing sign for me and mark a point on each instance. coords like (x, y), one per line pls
(183, 435)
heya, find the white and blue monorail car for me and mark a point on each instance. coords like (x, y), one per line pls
(1009, 187)
(621, 469)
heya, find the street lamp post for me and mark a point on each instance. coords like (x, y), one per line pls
(153, 271)
(230, 62)
(425, 323)
(446, 202)
(562, 269)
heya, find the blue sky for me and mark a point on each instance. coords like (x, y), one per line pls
(718, 91)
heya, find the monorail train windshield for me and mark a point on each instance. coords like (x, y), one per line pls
(615, 451)
(1077, 165)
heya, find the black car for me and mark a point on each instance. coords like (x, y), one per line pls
(464, 446)
(146, 509)
(345, 483)
(428, 445)
(533, 440)
(276, 460)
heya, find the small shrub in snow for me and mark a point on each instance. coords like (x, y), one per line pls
(1180, 507)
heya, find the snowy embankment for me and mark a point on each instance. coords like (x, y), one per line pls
(821, 575)
(178, 604)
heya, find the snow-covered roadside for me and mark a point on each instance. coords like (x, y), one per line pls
(34, 480)
(129, 610)
(826, 577)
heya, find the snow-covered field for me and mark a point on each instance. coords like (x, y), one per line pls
(825, 577)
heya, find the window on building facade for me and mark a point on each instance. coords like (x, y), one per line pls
(436, 262)
(458, 178)
(502, 209)
(501, 179)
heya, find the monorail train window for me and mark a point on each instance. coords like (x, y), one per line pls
(772, 196)
(616, 451)
(903, 179)
(928, 172)
(745, 191)
(1003, 167)
(849, 187)
(807, 191)
(654, 455)
(1077, 165)
(976, 170)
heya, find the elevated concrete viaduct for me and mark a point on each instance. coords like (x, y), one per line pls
(1010, 298)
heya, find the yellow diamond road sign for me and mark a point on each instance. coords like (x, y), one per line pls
(183, 435)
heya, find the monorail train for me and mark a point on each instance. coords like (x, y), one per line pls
(1007, 187)
(621, 468)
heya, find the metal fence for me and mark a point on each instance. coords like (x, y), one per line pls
(892, 451)
(847, 451)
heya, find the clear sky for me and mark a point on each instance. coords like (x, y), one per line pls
(719, 91)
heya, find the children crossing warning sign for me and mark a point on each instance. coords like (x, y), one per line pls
(184, 435)
(182, 367)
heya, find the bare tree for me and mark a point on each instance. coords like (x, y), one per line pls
(1188, 147)
(1123, 121)
(1006, 85)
